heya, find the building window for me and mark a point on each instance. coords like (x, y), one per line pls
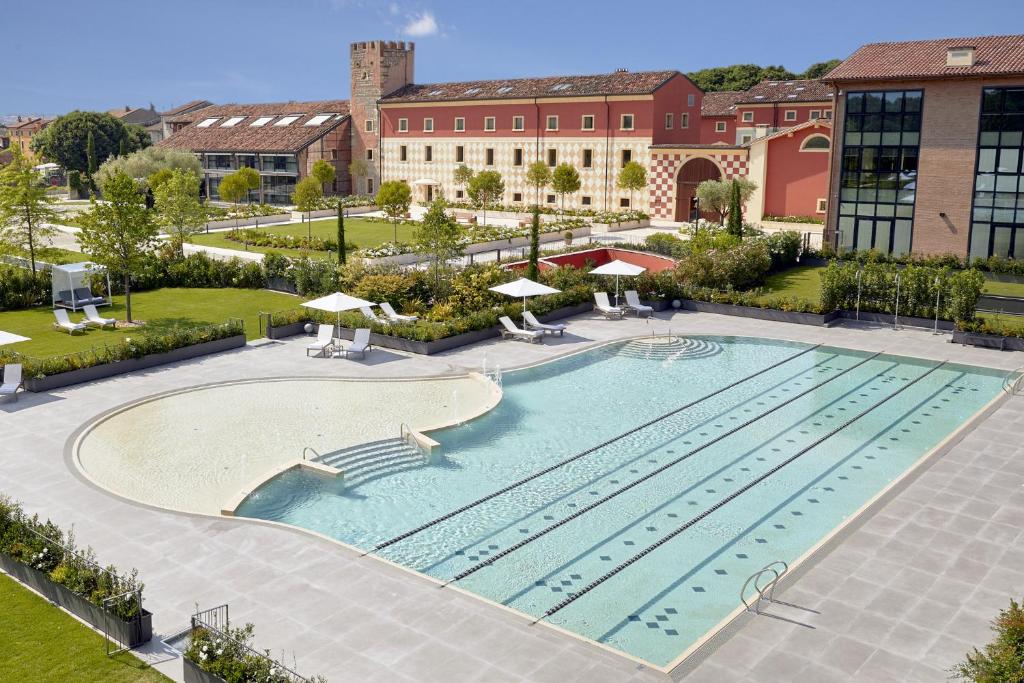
(626, 122)
(403, 125)
(460, 124)
(428, 153)
(552, 123)
(822, 205)
(878, 177)
(588, 158)
(334, 155)
(517, 196)
(627, 156)
(369, 186)
(588, 122)
(828, 113)
(790, 115)
(748, 116)
(815, 114)
(517, 156)
(815, 143)
(669, 120)
(369, 155)
(586, 200)
(997, 221)
(691, 100)
(720, 126)
(552, 157)
(489, 123)
(551, 199)
(489, 156)
(684, 120)
(403, 153)
(459, 194)
(518, 123)
(369, 125)
(428, 125)
(624, 202)
(745, 138)
(460, 154)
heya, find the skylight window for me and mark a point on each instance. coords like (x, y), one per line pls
(435, 93)
(504, 89)
(792, 97)
(206, 123)
(758, 97)
(261, 121)
(472, 91)
(232, 122)
(560, 87)
(319, 119)
(288, 120)
(799, 88)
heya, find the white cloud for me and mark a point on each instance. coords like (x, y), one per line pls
(394, 9)
(421, 25)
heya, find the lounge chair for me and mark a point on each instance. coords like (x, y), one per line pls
(396, 317)
(517, 332)
(324, 341)
(633, 304)
(605, 308)
(360, 342)
(64, 322)
(65, 298)
(533, 324)
(371, 316)
(83, 296)
(92, 317)
(12, 380)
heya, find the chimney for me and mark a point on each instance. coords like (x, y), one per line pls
(962, 55)
(622, 70)
(127, 108)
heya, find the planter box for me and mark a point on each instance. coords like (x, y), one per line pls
(817, 319)
(281, 284)
(988, 341)
(615, 227)
(193, 674)
(96, 372)
(248, 222)
(131, 633)
(482, 247)
(887, 319)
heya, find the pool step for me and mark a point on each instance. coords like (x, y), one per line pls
(374, 459)
(660, 348)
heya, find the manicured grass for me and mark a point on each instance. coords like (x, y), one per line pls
(1004, 288)
(803, 282)
(53, 255)
(1013, 322)
(41, 643)
(161, 309)
(357, 230)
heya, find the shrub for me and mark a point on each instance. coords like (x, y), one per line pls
(738, 267)
(314, 277)
(20, 288)
(276, 265)
(794, 219)
(228, 654)
(667, 245)
(784, 248)
(1002, 659)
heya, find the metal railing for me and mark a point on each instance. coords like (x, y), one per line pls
(1013, 381)
(310, 449)
(767, 591)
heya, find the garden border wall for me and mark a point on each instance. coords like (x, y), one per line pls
(247, 222)
(988, 341)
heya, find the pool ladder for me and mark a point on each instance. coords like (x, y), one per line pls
(776, 570)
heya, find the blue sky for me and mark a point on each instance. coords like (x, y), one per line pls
(108, 53)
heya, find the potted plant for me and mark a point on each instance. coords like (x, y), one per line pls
(568, 238)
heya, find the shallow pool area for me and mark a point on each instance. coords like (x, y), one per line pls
(626, 493)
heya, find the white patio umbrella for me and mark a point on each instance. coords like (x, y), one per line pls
(618, 268)
(524, 288)
(11, 338)
(336, 303)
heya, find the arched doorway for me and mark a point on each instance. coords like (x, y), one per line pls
(693, 173)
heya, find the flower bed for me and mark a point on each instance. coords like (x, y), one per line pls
(227, 655)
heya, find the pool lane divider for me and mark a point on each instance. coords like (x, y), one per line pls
(552, 468)
(653, 473)
(732, 496)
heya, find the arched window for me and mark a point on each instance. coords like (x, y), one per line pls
(815, 143)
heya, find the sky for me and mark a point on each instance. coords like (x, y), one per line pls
(105, 54)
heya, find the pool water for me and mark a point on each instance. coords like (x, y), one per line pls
(778, 444)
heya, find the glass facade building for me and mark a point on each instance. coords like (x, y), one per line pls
(997, 221)
(278, 174)
(878, 178)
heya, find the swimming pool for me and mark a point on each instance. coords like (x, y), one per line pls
(626, 493)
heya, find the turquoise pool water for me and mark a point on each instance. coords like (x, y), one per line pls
(777, 445)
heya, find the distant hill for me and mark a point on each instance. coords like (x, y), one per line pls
(745, 76)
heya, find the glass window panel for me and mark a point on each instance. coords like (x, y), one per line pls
(986, 160)
(1002, 215)
(979, 240)
(905, 196)
(872, 122)
(848, 194)
(1005, 200)
(1020, 215)
(905, 210)
(908, 160)
(854, 124)
(889, 160)
(890, 138)
(893, 122)
(853, 138)
(1008, 160)
(901, 237)
(888, 210)
(1018, 244)
(846, 233)
(851, 180)
(1001, 241)
(990, 139)
(893, 101)
(1014, 100)
(982, 213)
(1010, 139)
(855, 102)
(864, 234)
(992, 100)
(912, 122)
(872, 101)
(868, 180)
(847, 209)
(871, 138)
(851, 159)
(911, 138)
(1006, 183)
(912, 101)
(887, 181)
(869, 159)
(888, 196)
(984, 198)
(883, 232)
(865, 209)
(870, 195)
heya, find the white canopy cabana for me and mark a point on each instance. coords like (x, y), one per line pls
(71, 285)
(524, 287)
(338, 302)
(618, 268)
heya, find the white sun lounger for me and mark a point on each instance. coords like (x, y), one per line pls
(510, 330)
(605, 308)
(371, 316)
(12, 380)
(92, 317)
(533, 324)
(64, 322)
(360, 342)
(395, 316)
(633, 304)
(324, 341)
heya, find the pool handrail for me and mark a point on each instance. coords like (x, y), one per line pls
(762, 591)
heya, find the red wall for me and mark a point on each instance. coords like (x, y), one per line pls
(709, 136)
(777, 118)
(672, 97)
(578, 259)
(795, 180)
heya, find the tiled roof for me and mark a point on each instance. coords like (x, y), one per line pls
(721, 103)
(813, 123)
(188, 106)
(796, 90)
(244, 137)
(616, 83)
(994, 56)
(41, 122)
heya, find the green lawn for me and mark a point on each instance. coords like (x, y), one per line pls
(1014, 322)
(1004, 288)
(357, 230)
(161, 309)
(41, 643)
(803, 282)
(53, 255)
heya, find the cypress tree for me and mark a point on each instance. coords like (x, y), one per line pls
(90, 156)
(735, 222)
(532, 271)
(341, 233)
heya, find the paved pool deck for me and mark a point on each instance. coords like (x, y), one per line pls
(901, 597)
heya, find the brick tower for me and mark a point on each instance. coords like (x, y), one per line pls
(378, 68)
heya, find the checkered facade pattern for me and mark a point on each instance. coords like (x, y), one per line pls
(666, 164)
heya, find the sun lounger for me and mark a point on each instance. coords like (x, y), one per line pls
(12, 380)
(360, 342)
(64, 298)
(533, 324)
(83, 296)
(605, 308)
(371, 316)
(324, 341)
(396, 317)
(510, 330)
(64, 322)
(633, 304)
(92, 317)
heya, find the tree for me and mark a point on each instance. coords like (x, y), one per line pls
(143, 164)
(716, 195)
(632, 177)
(735, 226)
(819, 69)
(136, 138)
(90, 158)
(177, 206)
(25, 207)
(1003, 658)
(565, 180)
(532, 270)
(232, 189)
(65, 141)
(462, 175)
(358, 169)
(441, 238)
(308, 193)
(119, 231)
(341, 234)
(538, 175)
(484, 188)
(323, 171)
(250, 180)
(394, 198)
(737, 76)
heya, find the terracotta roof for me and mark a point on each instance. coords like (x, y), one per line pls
(813, 123)
(244, 137)
(188, 106)
(994, 56)
(616, 83)
(795, 90)
(721, 103)
(41, 122)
